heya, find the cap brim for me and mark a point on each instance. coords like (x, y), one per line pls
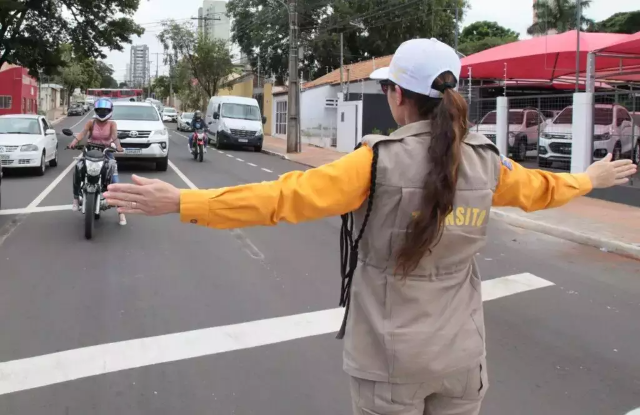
(380, 74)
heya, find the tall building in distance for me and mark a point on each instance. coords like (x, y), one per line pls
(139, 65)
(213, 20)
(127, 74)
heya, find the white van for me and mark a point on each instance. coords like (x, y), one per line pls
(235, 121)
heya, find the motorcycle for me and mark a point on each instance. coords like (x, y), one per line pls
(96, 176)
(197, 147)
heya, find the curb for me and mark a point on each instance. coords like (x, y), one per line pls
(55, 122)
(608, 245)
(284, 157)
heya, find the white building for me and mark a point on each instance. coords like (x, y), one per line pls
(127, 75)
(213, 20)
(139, 65)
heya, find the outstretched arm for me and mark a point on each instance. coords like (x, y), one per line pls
(532, 190)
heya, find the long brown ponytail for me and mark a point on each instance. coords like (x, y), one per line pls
(448, 128)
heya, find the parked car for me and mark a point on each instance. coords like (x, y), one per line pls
(147, 137)
(525, 126)
(184, 121)
(613, 133)
(84, 105)
(235, 121)
(27, 141)
(169, 114)
(75, 109)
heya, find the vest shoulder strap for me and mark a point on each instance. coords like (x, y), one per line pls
(373, 139)
(479, 140)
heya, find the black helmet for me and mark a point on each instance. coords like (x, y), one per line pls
(198, 114)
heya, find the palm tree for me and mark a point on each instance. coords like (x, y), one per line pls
(558, 15)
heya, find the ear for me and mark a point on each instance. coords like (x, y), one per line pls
(399, 96)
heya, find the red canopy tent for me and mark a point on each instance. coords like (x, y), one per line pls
(627, 54)
(543, 58)
(628, 46)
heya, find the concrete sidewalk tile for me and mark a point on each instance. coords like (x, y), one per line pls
(606, 225)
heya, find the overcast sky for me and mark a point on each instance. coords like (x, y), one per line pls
(516, 15)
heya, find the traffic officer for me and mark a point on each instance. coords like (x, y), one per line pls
(414, 327)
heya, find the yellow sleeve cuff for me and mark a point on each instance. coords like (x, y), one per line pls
(584, 183)
(194, 207)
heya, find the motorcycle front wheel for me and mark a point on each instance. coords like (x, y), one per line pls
(200, 153)
(89, 215)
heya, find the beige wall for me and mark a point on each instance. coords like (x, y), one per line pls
(267, 110)
(240, 89)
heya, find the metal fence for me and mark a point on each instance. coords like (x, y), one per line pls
(320, 132)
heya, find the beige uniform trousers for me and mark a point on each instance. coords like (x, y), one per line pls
(456, 394)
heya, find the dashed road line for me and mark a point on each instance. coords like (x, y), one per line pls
(252, 165)
(239, 159)
(267, 170)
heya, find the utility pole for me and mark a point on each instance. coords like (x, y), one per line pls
(293, 125)
(578, 24)
(157, 72)
(171, 81)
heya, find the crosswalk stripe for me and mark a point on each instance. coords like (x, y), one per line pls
(39, 371)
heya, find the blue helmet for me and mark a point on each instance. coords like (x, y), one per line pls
(103, 109)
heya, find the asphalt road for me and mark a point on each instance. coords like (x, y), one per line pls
(73, 311)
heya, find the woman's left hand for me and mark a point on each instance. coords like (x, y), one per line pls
(151, 197)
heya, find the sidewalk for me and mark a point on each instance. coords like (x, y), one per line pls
(56, 115)
(605, 225)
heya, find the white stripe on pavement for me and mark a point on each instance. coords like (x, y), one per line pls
(267, 170)
(38, 209)
(252, 165)
(82, 119)
(182, 176)
(35, 372)
(51, 186)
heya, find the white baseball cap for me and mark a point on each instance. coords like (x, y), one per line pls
(417, 63)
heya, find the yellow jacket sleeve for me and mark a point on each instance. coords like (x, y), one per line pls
(329, 190)
(532, 190)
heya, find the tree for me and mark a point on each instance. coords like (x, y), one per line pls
(482, 35)
(209, 60)
(558, 15)
(123, 85)
(469, 48)
(32, 32)
(370, 28)
(161, 87)
(106, 74)
(620, 23)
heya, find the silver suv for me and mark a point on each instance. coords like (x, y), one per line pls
(147, 137)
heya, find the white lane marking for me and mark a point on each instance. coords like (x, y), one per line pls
(513, 284)
(35, 372)
(267, 170)
(252, 165)
(239, 159)
(229, 155)
(182, 175)
(52, 186)
(81, 120)
(221, 152)
(39, 209)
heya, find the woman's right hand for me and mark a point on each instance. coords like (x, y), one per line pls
(607, 173)
(72, 144)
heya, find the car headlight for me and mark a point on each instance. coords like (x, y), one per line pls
(601, 137)
(224, 128)
(160, 132)
(29, 147)
(545, 135)
(94, 167)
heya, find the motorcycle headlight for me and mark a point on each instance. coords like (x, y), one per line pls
(160, 132)
(29, 147)
(94, 167)
(601, 137)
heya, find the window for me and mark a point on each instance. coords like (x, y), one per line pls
(5, 102)
(19, 126)
(45, 126)
(281, 117)
(241, 112)
(623, 116)
(135, 113)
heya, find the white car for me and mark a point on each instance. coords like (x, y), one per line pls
(525, 126)
(84, 105)
(184, 121)
(147, 137)
(27, 141)
(612, 133)
(169, 114)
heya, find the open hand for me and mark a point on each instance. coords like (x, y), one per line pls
(151, 197)
(607, 173)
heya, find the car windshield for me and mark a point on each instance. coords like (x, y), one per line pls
(187, 115)
(515, 118)
(601, 116)
(241, 111)
(19, 126)
(134, 113)
(170, 110)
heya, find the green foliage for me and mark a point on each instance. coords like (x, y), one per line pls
(161, 86)
(484, 35)
(261, 29)
(469, 48)
(33, 32)
(619, 23)
(207, 60)
(559, 15)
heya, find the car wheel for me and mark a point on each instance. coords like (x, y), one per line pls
(258, 149)
(162, 164)
(43, 166)
(520, 152)
(54, 162)
(617, 152)
(544, 163)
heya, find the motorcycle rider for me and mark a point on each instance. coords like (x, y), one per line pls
(197, 123)
(102, 131)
